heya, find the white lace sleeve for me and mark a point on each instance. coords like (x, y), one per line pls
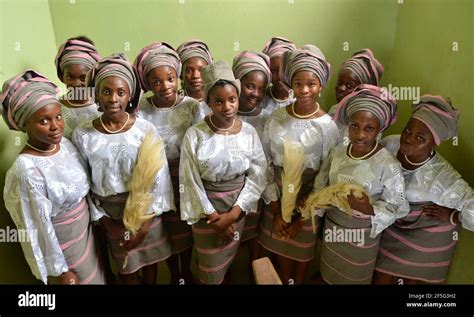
(30, 209)
(271, 192)
(193, 199)
(392, 204)
(255, 178)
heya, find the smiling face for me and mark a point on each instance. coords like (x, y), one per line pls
(114, 96)
(46, 126)
(416, 141)
(163, 83)
(363, 128)
(306, 86)
(346, 83)
(254, 85)
(224, 102)
(192, 74)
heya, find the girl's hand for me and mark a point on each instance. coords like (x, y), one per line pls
(223, 221)
(294, 228)
(360, 204)
(130, 241)
(434, 211)
(279, 225)
(69, 278)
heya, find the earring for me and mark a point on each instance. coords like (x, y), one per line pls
(291, 94)
(181, 93)
(319, 94)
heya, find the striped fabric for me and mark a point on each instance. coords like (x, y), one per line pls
(417, 247)
(252, 222)
(365, 67)
(74, 232)
(347, 262)
(155, 247)
(75, 52)
(213, 254)
(23, 95)
(180, 233)
(368, 98)
(438, 115)
(302, 246)
(156, 55)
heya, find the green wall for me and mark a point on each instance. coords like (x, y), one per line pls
(401, 36)
(423, 56)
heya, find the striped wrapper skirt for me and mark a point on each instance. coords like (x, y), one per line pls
(154, 248)
(74, 232)
(348, 253)
(179, 232)
(213, 254)
(417, 247)
(302, 246)
(252, 222)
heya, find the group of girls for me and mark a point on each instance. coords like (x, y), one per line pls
(227, 178)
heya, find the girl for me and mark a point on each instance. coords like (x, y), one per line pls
(172, 114)
(252, 69)
(367, 111)
(74, 59)
(361, 68)
(194, 55)
(278, 94)
(419, 247)
(305, 124)
(222, 173)
(46, 187)
(110, 145)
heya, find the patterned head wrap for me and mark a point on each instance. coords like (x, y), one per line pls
(23, 95)
(277, 46)
(75, 52)
(216, 71)
(194, 48)
(249, 61)
(307, 58)
(153, 56)
(438, 115)
(116, 65)
(368, 98)
(365, 67)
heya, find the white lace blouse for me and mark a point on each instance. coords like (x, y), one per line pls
(37, 189)
(112, 158)
(75, 116)
(172, 123)
(381, 177)
(213, 157)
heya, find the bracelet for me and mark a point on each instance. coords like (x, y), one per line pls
(451, 218)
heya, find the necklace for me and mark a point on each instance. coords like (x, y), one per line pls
(247, 112)
(75, 105)
(186, 94)
(305, 116)
(174, 103)
(217, 128)
(42, 151)
(418, 164)
(364, 156)
(116, 131)
(275, 98)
